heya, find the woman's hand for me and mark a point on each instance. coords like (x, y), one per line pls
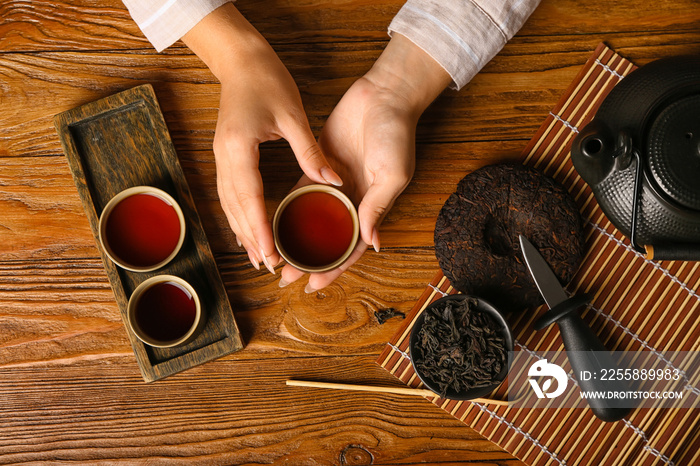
(369, 139)
(259, 102)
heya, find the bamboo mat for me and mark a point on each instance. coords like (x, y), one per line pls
(638, 305)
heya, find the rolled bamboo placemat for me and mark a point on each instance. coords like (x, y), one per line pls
(638, 305)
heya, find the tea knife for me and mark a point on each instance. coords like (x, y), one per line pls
(586, 352)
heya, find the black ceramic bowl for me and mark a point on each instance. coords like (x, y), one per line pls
(484, 307)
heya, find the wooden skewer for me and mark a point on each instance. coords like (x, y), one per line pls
(362, 388)
(395, 390)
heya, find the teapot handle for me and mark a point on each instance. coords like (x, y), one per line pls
(679, 251)
(673, 252)
(636, 200)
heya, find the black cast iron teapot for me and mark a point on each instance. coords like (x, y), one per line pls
(641, 156)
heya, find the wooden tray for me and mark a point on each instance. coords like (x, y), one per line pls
(122, 141)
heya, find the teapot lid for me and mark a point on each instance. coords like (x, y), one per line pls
(673, 151)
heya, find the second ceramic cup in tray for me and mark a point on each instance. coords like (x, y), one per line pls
(122, 141)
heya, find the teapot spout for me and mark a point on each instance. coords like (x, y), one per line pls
(597, 152)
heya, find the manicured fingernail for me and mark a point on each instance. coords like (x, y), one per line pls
(239, 242)
(283, 283)
(254, 261)
(375, 240)
(309, 289)
(267, 262)
(331, 177)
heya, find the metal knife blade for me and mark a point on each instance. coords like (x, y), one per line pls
(548, 283)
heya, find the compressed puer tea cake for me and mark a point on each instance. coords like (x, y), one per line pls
(476, 234)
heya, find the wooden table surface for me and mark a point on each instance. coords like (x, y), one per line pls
(70, 389)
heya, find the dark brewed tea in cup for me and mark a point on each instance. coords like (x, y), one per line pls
(315, 229)
(143, 229)
(165, 312)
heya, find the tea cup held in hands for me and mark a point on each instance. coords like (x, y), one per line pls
(316, 228)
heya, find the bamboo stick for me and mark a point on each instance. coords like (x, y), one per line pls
(372, 388)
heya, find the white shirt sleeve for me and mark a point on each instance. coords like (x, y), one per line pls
(462, 35)
(164, 22)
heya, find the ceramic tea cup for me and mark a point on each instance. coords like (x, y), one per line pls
(490, 311)
(142, 228)
(165, 311)
(316, 228)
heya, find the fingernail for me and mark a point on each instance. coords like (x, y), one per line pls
(267, 262)
(253, 261)
(283, 283)
(375, 240)
(331, 177)
(309, 289)
(239, 242)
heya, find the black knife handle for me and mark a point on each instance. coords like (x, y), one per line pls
(587, 353)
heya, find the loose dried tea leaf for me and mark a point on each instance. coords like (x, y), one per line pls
(459, 347)
(382, 315)
(476, 234)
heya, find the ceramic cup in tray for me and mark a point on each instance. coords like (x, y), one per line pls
(142, 228)
(164, 311)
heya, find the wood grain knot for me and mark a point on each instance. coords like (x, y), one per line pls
(329, 297)
(356, 455)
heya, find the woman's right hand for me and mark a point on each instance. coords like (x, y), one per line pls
(259, 102)
(370, 140)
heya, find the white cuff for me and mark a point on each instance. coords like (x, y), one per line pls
(164, 22)
(462, 36)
